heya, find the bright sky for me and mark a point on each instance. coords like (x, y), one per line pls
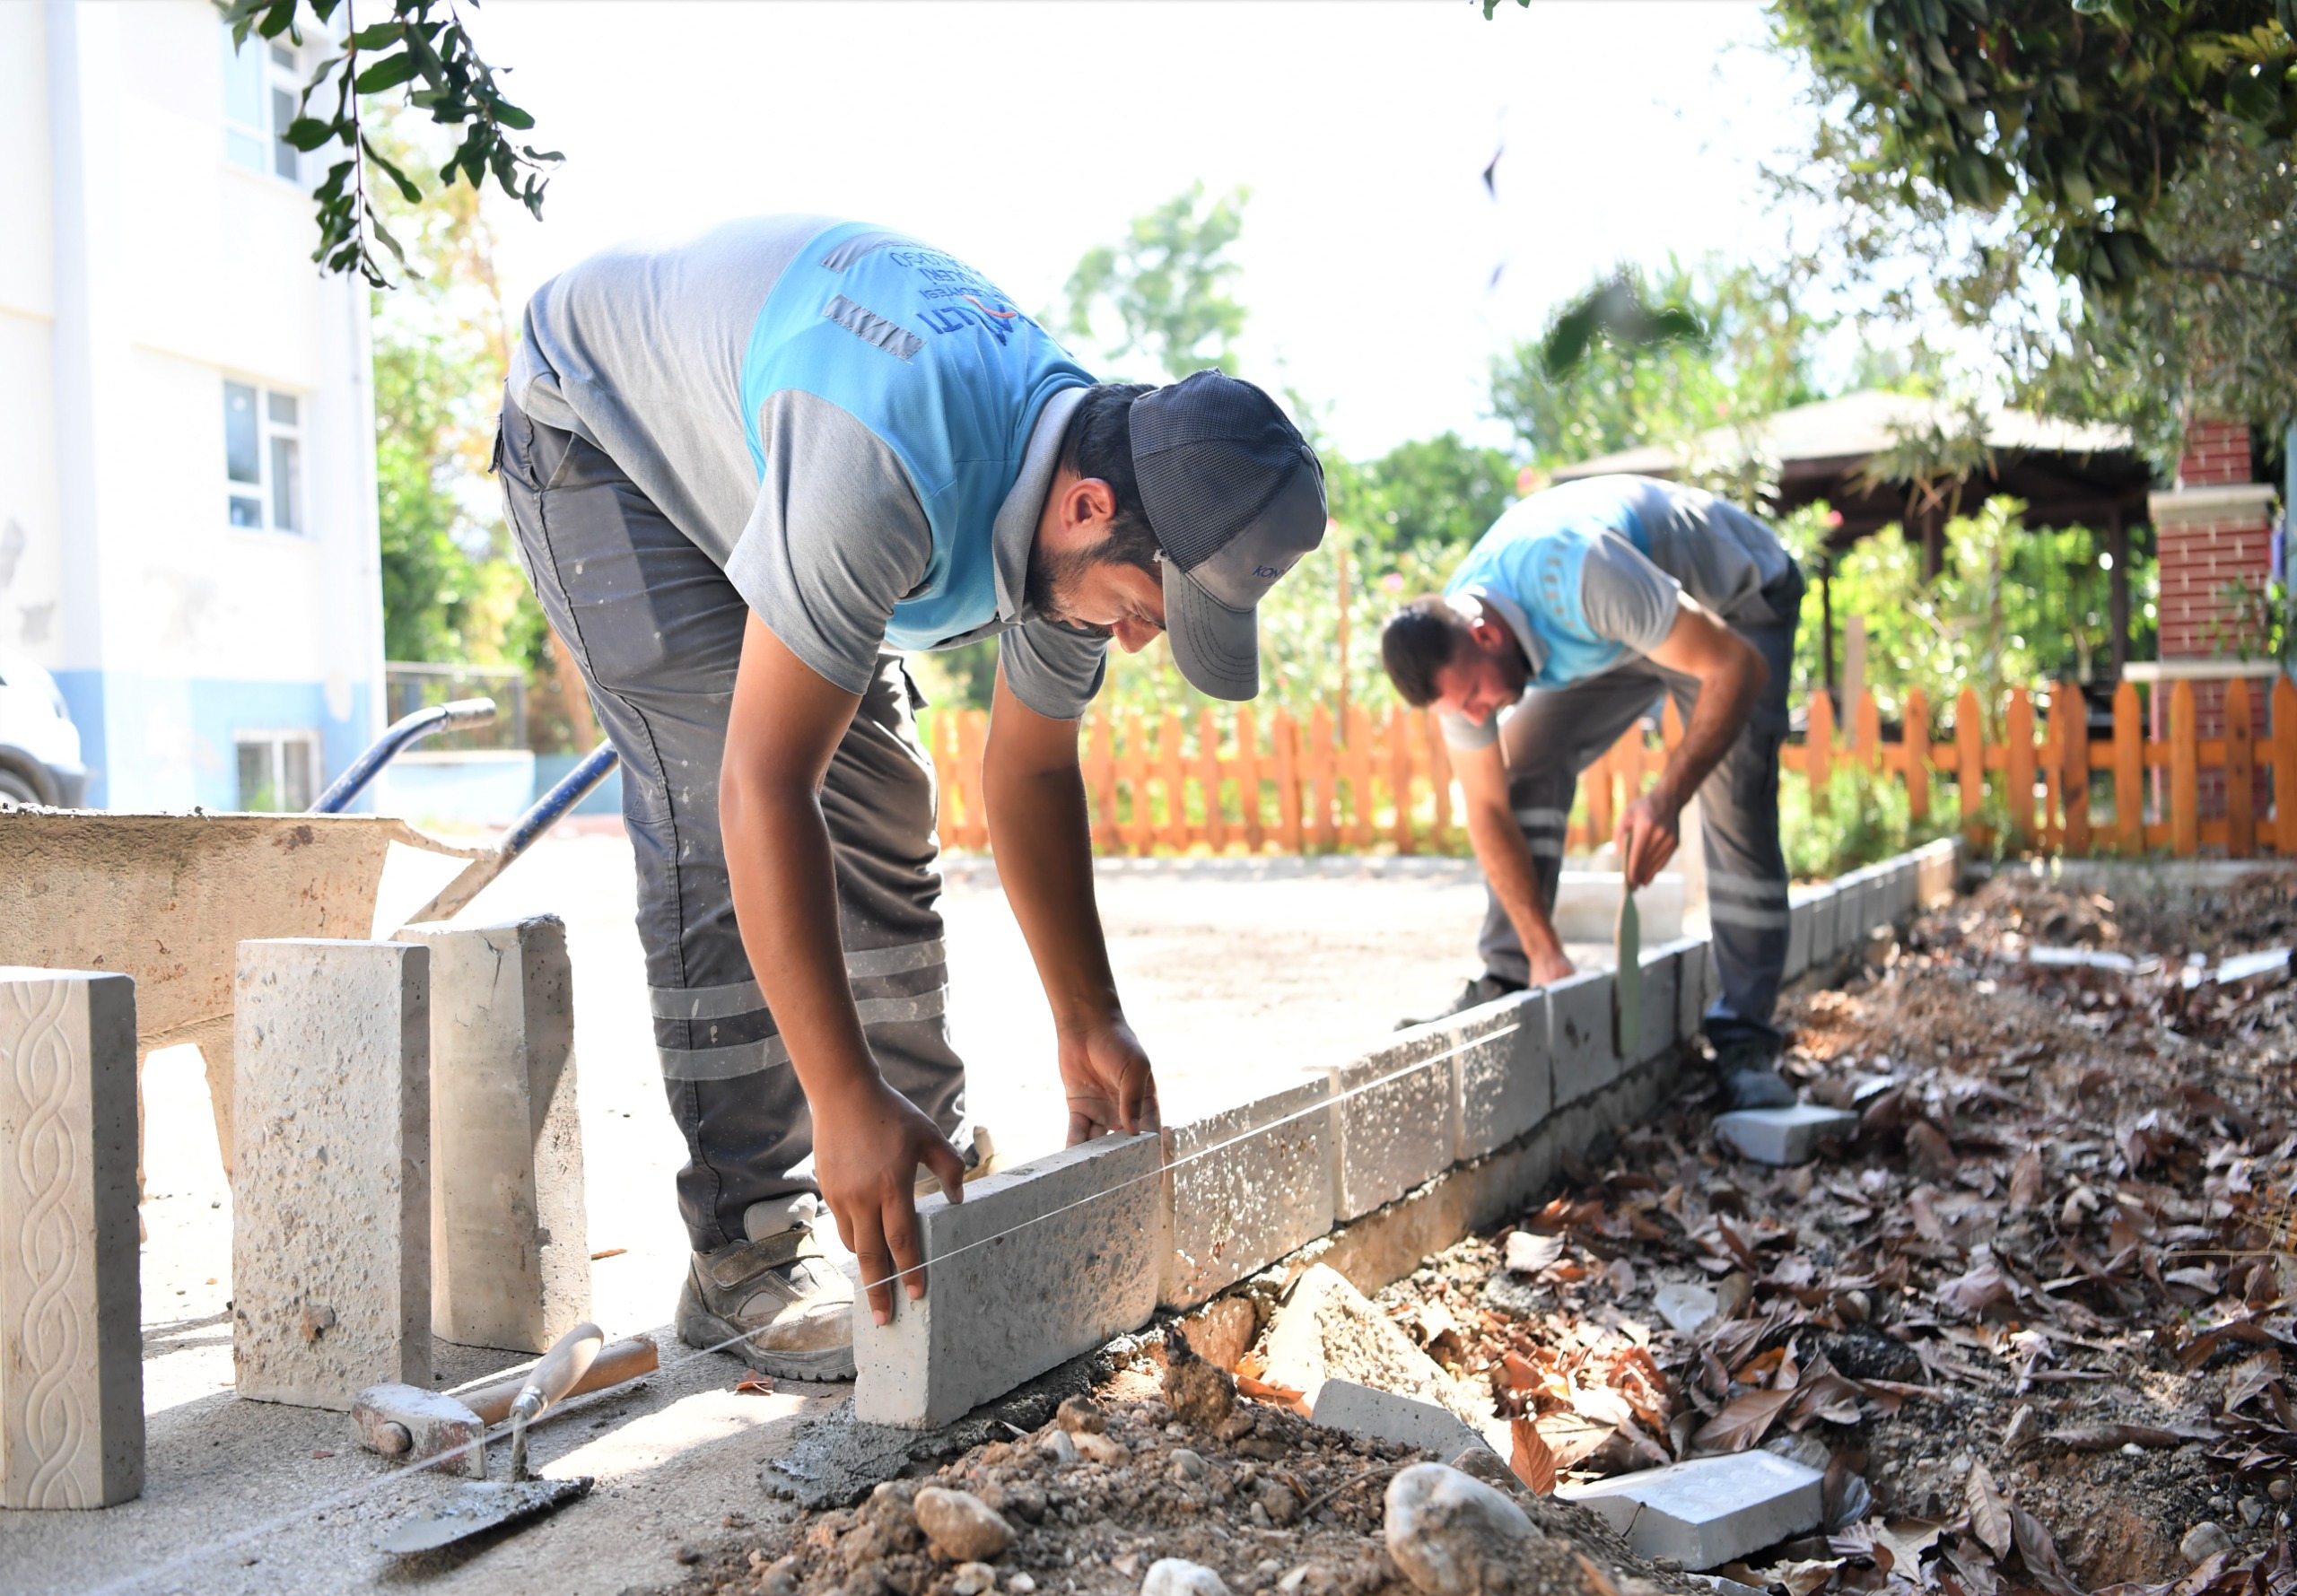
(1019, 135)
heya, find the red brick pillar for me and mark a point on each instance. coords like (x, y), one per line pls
(2213, 529)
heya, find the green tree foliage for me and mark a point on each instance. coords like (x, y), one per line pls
(2078, 116)
(1717, 345)
(422, 53)
(452, 591)
(1166, 285)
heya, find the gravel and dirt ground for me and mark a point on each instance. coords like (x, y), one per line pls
(2031, 1317)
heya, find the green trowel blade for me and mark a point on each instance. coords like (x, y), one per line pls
(1627, 986)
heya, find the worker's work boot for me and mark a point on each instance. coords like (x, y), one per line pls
(1748, 1072)
(772, 1299)
(1484, 988)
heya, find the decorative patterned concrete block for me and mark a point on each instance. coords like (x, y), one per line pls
(71, 1344)
(1798, 940)
(331, 1188)
(1234, 1210)
(509, 1241)
(1782, 1135)
(1383, 1416)
(1662, 1003)
(1393, 1115)
(1502, 1086)
(1706, 1512)
(1032, 1268)
(1579, 1035)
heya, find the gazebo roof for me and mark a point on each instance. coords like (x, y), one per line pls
(2068, 472)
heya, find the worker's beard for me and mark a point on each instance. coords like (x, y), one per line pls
(1053, 577)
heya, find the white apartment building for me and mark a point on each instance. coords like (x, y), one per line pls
(188, 538)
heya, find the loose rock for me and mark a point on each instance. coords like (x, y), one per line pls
(1201, 1393)
(1080, 1417)
(962, 1527)
(1178, 1576)
(1452, 1535)
(1189, 1465)
(1058, 1446)
(973, 1579)
(1102, 1449)
(2204, 1541)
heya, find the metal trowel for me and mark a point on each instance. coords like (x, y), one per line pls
(491, 1505)
(1626, 982)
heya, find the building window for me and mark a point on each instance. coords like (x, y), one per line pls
(263, 456)
(277, 771)
(260, 92)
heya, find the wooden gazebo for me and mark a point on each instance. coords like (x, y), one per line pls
(2069, 474)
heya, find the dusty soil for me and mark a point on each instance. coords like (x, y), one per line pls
(2031, 1317)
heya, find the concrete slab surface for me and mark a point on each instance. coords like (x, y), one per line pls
(1782, 1135)
(1706, 1512)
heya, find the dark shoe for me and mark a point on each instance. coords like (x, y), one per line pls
(1748, 1072)
(1484, 988)
(776, 1302)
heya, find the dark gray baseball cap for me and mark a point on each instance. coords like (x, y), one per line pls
(1234, 496)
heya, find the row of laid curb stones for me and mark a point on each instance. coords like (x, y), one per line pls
(406, 1162)
(1031, 1269)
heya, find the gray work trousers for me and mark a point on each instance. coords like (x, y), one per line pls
(1553, 734)
(656, 630)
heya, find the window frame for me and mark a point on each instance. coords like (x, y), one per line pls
(277, 740)
(270, 433)
(275, 78)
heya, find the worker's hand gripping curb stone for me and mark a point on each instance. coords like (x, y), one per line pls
(869, 1143)
(1105, 1075)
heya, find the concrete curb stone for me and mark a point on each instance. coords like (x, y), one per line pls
(1233, 1213)
(1504, 1088)
(1579, 1035)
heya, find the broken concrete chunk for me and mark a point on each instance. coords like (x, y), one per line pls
(1685, 1307)
(509, 1238)
(1706, 1512)
(1328, 1329)
(1383, 1416)
(71, 1346)
(1454, 1535)
(1782, 1135)
(331, 1184)
(1047, 1261)
(1178, 1576)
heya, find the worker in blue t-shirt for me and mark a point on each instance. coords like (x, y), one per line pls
(1562, 628)
(746, 469)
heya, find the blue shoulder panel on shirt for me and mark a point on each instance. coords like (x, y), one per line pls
(930, 357)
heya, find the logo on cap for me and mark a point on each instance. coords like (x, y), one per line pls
(1268, 571)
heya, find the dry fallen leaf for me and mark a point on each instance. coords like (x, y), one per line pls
(754, 1385)
(1989, 1511)
(1741, 1423)
(1281, 1396)
(1532, 1463)
(2111, 1438)
(2026, 1180)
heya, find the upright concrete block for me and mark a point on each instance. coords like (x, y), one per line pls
(509, 1241)
(1798, 940)
(1032, 1268)
(1579, 1035)
(1825, 902)
(331, 1188)
(1695, 986)
(1502, 1084)
(1938, 869)
(71, 1344)
(1244, 1187)
(1383, 1416)
(1706, 1512)
(1393, 1117)
(1662, 1004)
(1901, 895)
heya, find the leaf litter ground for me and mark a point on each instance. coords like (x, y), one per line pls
(2031, 1318)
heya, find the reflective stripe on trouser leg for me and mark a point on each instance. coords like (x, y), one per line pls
(1548, 739)
(656, 630)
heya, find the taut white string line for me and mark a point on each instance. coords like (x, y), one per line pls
(352, 1493)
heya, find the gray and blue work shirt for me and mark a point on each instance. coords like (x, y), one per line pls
(859, 430)
(1587, 576)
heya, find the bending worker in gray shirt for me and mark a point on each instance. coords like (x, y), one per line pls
(1562, 628)
(744, 469)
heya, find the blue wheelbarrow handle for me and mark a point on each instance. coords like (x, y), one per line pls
(546, 812)
(403, 734)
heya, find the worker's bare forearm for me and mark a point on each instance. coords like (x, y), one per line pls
(1725, 702)
(1041, 833)
(785, 900)
(1506, 855)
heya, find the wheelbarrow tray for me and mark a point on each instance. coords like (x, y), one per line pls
(168, 899)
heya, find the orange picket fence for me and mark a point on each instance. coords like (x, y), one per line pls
(1235, 782)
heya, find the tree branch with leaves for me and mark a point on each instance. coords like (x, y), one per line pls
(423, 51)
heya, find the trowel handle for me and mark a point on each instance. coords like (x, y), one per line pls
(566, 1362)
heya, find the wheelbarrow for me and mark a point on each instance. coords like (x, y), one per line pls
(169, 898)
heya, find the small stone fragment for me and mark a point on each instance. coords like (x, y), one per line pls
(1276, 1500)
(780, 1578)
(1021, 1584)
(1080, 1416)
(890, 1511)
(2280, 1490)
(974, 1579)
(687, 1555)
(1481, 1462)
(2252, 1510)
(962, 1527)
(1057, 1448)
(1178, 1576)
(1102, 1449)
(1685, 1307)
(1189, 1465)
(2204, 1541)
(1200, 1392)
(2022, 1425)
(1452, 1535)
